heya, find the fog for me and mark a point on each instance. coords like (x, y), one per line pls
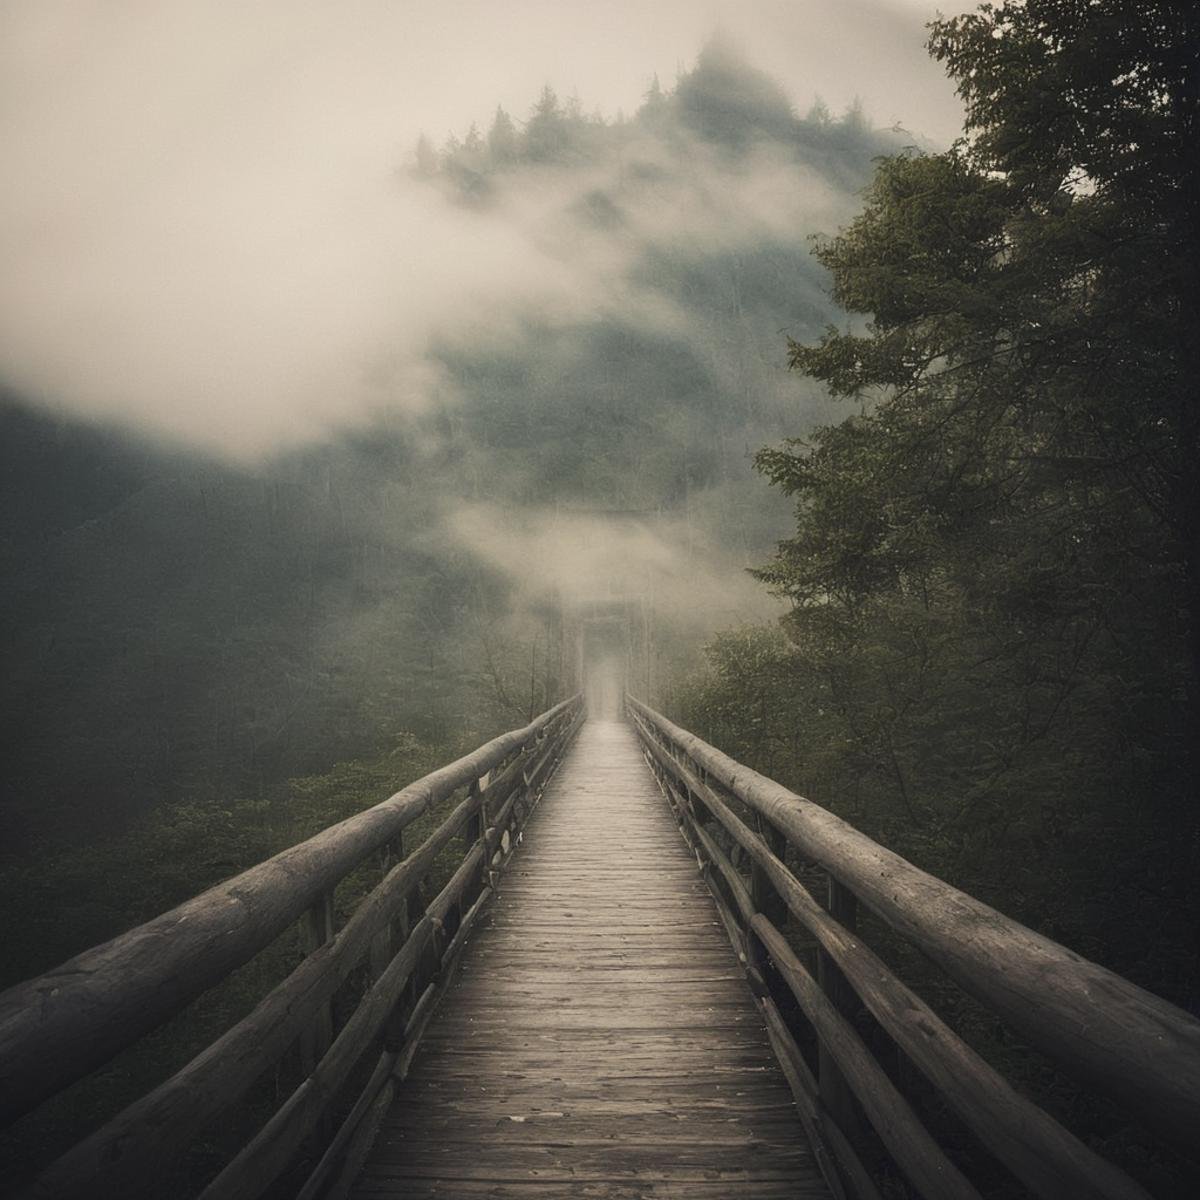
(209, 233)
(309, 439)
(584, 556)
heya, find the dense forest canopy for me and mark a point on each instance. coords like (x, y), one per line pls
(989, 660)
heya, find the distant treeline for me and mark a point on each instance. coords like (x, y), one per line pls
(722, 100)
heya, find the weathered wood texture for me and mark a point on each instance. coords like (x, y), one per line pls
(60, 1026)
(1046, 1157)
(1114, 1036)
(407, 954)
(601, 1040)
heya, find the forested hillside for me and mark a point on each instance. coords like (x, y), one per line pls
(183, 634)
(989, 659)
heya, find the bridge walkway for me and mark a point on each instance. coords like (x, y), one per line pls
(601, 1040)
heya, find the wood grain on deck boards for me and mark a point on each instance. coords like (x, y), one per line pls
(600, 1040)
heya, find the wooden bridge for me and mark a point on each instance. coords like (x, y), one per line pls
(603, 971)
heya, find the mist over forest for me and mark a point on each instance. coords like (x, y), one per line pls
(895, 448)
(181, 626)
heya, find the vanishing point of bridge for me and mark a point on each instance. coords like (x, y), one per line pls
(601, 1039)
(595, 959)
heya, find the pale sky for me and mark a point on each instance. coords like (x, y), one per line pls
(194, 189)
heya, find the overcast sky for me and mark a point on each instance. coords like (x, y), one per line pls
(195, 191)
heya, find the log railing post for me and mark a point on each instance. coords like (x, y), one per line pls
(473, 832)
(523, 802)
(481, 838)
(316, 928)
(385, 944)
(836, 1094)
(766, 901)
(426, 967)
(385, 948)
(696, 810)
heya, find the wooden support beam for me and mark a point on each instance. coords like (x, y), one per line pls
(836, 1094)
(64, 1024)
(1116, 1037)
(1050, 1160)
(316, 930)
(907, 1140)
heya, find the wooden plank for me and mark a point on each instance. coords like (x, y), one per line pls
(606, 1188)
(600, 1039)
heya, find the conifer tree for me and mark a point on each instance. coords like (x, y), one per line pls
(502, 141)
(545, 134)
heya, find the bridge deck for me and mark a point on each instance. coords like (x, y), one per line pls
(601, 1040)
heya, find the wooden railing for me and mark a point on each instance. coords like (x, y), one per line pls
(59, 1027)
(1114, 1037)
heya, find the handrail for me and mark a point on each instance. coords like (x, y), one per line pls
(1113, 1035)
(60, 1026)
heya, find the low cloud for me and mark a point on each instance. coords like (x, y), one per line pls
(255, 322)
(578, 556)
(207, 232)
